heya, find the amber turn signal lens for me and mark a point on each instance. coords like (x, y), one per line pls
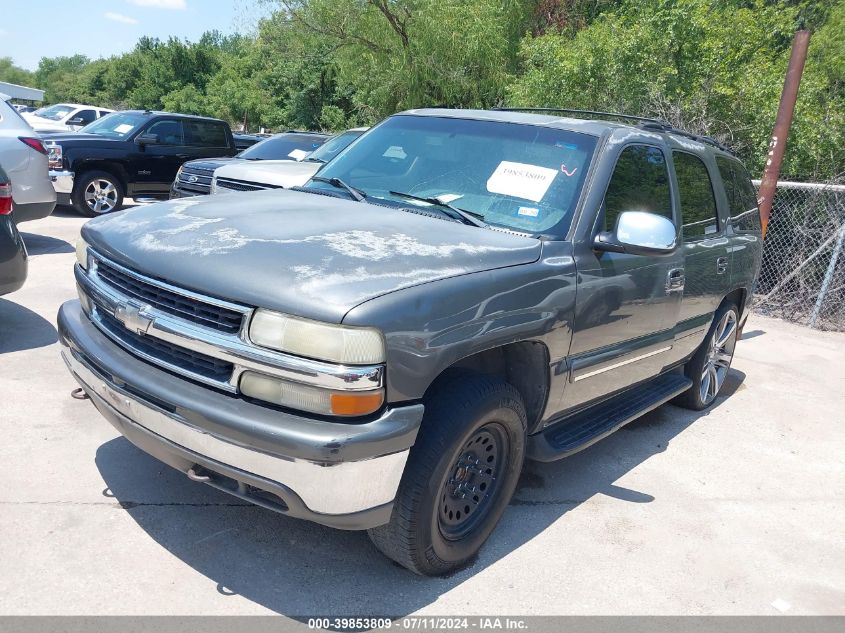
(356, 403)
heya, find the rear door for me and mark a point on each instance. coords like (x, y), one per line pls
(705, 245)
(206, 139)
(744, 228)
(625, 310)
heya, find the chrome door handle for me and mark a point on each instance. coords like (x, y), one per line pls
(675, 280)
(721, 265)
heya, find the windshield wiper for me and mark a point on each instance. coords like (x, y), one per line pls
(313, 160)
(356, 194)
(476, 219)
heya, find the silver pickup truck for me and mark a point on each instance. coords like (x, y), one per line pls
(454, 293)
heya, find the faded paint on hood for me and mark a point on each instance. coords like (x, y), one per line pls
(311, 255)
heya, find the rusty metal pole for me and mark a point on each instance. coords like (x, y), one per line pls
(777, 146)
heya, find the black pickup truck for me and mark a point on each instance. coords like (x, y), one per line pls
(133, 153)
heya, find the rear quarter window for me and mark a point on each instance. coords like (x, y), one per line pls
(741, 194)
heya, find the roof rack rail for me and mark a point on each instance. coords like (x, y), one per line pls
(646, 123)
(666, 127)
(592, 113)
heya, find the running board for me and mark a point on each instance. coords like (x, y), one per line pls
(588, 426)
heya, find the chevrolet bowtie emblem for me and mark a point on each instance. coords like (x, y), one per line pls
(133, 317)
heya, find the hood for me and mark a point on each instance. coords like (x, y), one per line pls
(282, 173)
(45, 124)
(305, 254)
(210, 164)
(70, 137)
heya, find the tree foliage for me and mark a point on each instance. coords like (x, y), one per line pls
(713, 66)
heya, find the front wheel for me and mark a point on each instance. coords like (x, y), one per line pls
(96, 193)
(460, 476)
(709, 366)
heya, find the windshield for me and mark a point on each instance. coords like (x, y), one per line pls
(116, 125)
(283, 147)
(54, 112)
(333, 146)
(523, 177)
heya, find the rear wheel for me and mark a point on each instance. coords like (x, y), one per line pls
(96, 193)
(709, 367)
(460, 476)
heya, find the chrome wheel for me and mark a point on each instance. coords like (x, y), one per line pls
(718, 359)
(101, 196)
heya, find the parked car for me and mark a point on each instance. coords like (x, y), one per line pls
(13, 264)
(242, 140)
(133, 153)
(458, 291)
(64, 117)
(274, 174)
(23, 108)
(24, 157)
(194, 179)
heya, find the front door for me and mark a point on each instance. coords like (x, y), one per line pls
(626, 305)
(155, 165)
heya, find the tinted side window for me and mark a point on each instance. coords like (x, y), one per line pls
(86, 115)
(167, 132)
(640, 182)
(742, 197)
(205, 134)
(698, 204)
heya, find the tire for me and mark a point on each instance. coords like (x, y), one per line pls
(467, 412)
(710, 364)
(96, 193)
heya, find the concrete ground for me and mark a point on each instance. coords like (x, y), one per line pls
(738, 510)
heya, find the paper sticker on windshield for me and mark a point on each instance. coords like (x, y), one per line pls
(520, 180)
(123, 128)
(531, 212)
(298, 154)
(394, 151)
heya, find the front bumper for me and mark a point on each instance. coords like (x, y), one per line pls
(337, 474)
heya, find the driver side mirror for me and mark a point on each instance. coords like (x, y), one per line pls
(639, 233)
(147, 139)
(76, 121)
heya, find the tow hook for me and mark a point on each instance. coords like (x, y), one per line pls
(79, 394)
(193, 475)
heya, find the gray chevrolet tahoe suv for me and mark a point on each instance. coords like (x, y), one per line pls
(456, 292)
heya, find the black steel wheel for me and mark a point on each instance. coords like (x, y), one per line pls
(467, 494)
(460, 475)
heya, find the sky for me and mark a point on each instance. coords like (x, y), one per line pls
(32, 29)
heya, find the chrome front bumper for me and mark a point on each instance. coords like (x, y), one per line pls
(62, 181)
(342, 475)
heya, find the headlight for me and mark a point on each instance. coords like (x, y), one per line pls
(54, 156)
(82, 253)
(312, 339)
(307, 398)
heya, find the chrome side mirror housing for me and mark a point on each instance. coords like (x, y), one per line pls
(639, 233)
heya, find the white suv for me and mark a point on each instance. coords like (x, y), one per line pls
(24, 159)
(242, 175)
(64, 117)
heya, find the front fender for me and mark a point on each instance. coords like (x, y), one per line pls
(430, 327)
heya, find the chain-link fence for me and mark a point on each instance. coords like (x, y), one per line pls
(803, 274)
